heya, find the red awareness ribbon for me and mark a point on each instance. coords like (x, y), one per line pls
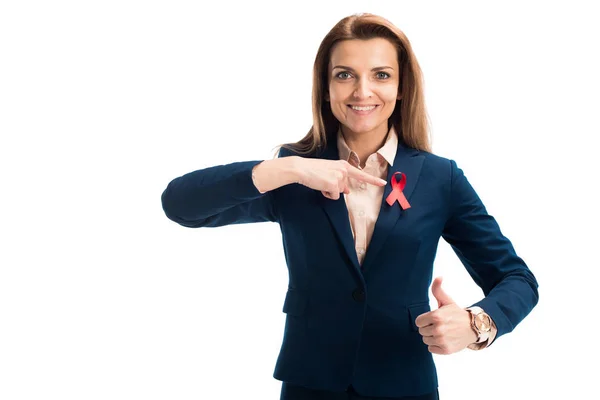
(396, 193)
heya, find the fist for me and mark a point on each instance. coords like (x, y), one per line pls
(446, 330)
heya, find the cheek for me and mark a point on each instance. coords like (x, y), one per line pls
(338, 109)
(336, 95)
(390, 94)
(338, 104)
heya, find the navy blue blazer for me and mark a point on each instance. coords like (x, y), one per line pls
(351, 325)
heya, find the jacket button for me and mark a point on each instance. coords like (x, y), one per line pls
(358, 295)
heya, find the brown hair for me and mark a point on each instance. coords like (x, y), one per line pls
(409, 117)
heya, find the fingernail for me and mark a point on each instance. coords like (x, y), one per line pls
(382, 181)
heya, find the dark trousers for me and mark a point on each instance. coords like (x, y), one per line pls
(294, 392)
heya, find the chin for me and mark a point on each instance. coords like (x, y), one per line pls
(362, 128)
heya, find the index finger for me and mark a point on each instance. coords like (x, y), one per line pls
(364, 177)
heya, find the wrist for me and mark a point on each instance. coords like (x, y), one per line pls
(481, 324)
(272, 174)
(295, 170)
(473, 334)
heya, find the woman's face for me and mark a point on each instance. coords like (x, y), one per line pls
(363, 80)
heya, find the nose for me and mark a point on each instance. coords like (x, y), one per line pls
(362, 89)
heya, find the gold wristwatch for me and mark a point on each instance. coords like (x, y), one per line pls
(481, 323)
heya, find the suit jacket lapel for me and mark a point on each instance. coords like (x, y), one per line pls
(409, 162)
(338, 212)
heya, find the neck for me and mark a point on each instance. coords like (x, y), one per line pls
(365, 143)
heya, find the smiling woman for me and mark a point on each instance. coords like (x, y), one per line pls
(366, 60)
(363, 89)
(358, 320)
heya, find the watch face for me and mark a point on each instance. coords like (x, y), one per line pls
(483, 322)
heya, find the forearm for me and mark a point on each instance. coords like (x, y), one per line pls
(272, 174)
(215, 196)
(511, 300)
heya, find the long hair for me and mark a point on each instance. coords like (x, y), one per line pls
(409, 117)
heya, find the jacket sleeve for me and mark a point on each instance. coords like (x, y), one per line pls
(510, 289)
(217, 196)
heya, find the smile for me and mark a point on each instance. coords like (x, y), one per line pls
(362, 110)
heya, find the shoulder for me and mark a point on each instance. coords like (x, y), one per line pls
(285, 152)
(443, 170)
(290, 151)
(439, 165)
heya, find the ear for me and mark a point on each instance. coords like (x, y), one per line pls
(399, 96)
(326, 96)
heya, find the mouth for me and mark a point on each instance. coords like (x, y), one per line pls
(365, 109)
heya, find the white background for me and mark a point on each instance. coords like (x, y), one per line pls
(103, 103)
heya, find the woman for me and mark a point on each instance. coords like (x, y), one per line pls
(362, 203)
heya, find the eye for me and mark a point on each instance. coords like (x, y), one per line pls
(383, 75)
(343, 75)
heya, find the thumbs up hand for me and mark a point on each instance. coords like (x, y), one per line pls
(448, 329)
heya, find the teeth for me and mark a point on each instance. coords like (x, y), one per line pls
(369, 108)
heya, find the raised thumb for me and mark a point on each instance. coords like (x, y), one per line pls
(440, 295)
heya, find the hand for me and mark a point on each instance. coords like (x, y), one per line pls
(448, 329)
(331, 176)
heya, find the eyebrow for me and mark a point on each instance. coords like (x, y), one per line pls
(351, 69)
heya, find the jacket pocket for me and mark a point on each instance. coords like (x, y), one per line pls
(295, 302)
(414, 311)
